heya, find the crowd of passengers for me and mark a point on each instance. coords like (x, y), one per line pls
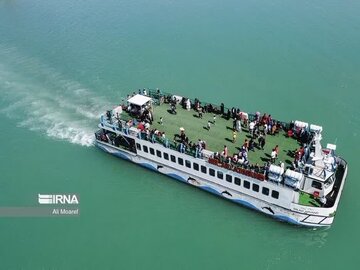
(259, 127)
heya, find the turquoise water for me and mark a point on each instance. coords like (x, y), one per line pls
(64, 62)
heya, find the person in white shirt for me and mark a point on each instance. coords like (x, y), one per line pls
(188, 105)
(273, 156)
(251, 128)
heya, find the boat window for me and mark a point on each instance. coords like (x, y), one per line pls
(237, 181)
(247, 184)
(229, 178)
(196, 166)
(203, 169)
(180, 161)
(212, 172)
(255, 187)
(187, 163)
(145, 149)
(220, 175)
(316, 184)
(173, 158)
(166, 156)
(152, 151)
(158, 153)
(275, 194)
(265, 191)
(138, 146)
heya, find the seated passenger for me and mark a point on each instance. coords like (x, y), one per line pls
(104, 138)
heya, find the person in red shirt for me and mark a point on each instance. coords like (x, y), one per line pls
(225, 151)
(264, 119)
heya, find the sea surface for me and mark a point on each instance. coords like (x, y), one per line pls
(62, 63)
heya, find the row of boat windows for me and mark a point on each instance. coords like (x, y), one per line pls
(212, 172)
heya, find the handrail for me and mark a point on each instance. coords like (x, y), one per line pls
(238, 169)
(217, 162)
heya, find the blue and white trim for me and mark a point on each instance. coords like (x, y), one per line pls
(275, 211)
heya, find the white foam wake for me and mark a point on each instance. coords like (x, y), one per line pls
(39, 98)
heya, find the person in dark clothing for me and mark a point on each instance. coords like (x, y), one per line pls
(182, 136)
(205, 108)
(200, 112)
(233, 112)
(222, 108)
(183, 103)
(292, 125)
(257, 168)
(228, 114)
(196, 104)
(251, 145)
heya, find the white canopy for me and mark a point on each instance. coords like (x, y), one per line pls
(293, 179)
(315, 128)
(331, 146)
(139, 100)
(294, 175)
(300, 124)
(276, 169)
(275, 173)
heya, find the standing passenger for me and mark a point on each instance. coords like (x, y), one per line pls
(234, 136)
(238, 125)
(225, 151)
(273, 156)
(262, 141)
(251, 128)
(188, 105)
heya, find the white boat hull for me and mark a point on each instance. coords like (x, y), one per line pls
(294, 217)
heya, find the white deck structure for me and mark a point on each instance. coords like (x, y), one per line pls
(277, 194)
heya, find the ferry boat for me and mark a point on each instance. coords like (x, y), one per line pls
(277, 168)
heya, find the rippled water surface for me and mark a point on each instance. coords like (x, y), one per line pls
(62, 63)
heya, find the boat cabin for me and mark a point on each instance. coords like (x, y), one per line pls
(321, 168)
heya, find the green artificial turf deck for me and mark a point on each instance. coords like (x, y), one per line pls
(219, 134)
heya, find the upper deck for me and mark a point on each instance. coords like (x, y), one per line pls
(220, 132)
(310, 170)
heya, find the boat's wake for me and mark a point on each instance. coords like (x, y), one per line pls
(39, 98)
